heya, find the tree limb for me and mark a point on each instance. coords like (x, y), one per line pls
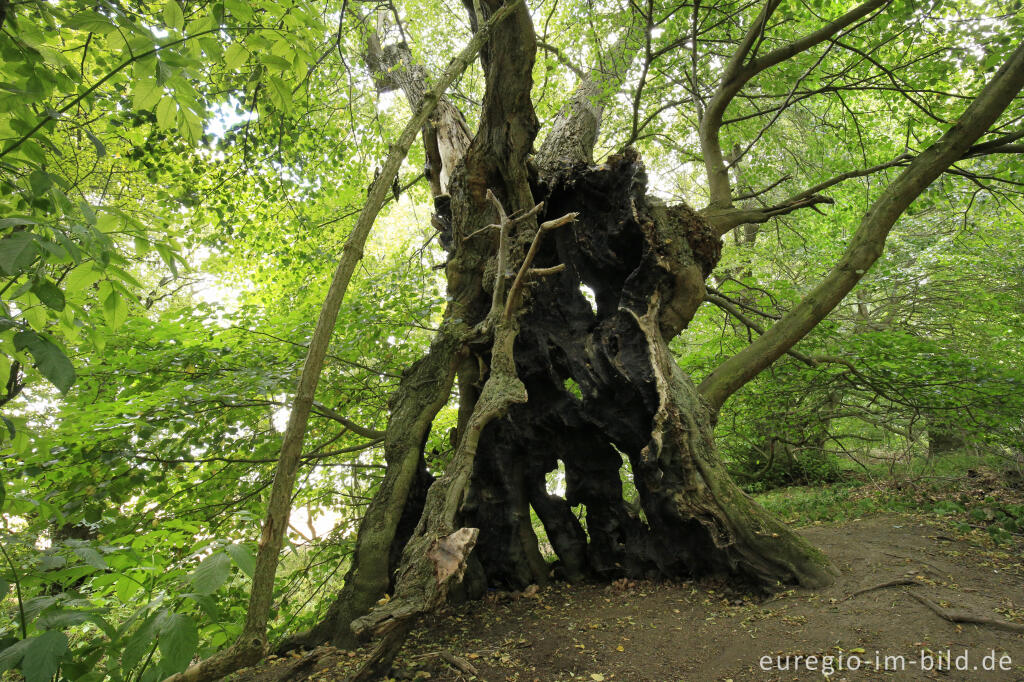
(738, 73)
(868, 241)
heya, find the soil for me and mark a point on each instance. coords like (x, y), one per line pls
(707, 631)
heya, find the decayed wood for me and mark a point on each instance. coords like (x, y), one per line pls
(437, 552)
(446, 135)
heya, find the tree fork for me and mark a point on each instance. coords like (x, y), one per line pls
(868, 241)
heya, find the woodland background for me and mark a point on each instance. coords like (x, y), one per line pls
(178, 180)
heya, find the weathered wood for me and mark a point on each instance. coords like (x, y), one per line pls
(645, 264)
(445, 133)
(437, 552)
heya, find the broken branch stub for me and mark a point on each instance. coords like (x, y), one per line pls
(449, 554)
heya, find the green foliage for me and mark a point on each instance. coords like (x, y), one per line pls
(177, 183)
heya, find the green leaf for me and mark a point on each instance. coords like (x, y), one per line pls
(17, 251)
(49, 359)
(91, 557)
(17, 221)
(146, 93)
(167, 255)
(126, 588)
(178, 641)
(108, 222)
(236, 56)
(101, 151)
(193, 123)
(49, 294)
(81, 278)
(173, 16)
(240, 9)
(243, 557)
(139, 643)
(94, 22)
(115, 310)
(166, 113)
(13, 654)
(65, 618)
(42, 656)
(211, 573)
(280, 94)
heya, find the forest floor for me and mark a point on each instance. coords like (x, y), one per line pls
(899, 573)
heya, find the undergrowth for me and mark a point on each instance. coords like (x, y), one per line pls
(971, 493)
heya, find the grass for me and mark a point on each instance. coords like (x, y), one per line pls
(971, 492)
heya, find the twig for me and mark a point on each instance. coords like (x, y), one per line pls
(513, 293)
(459, 663)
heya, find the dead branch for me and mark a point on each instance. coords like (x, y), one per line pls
(460, 664)
(513, 294)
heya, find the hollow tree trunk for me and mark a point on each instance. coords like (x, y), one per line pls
(592, 386)
(645, 264)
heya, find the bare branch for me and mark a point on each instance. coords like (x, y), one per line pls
(513, 293)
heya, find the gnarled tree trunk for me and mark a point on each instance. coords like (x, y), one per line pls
(604, 393)
(591, 385)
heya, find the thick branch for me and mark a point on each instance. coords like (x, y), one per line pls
(723, 220)
(574, 133)
(446, 135)
(738, 73)
(868, 242)
(726, 305)
(363, 431)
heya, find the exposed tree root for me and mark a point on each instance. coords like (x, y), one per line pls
(881, 586)
(962, 616)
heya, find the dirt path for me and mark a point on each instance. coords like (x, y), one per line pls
(700, 631)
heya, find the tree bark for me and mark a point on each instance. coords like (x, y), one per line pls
(595, 385)
(446, 136)
(570, 143)
(646, 265)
